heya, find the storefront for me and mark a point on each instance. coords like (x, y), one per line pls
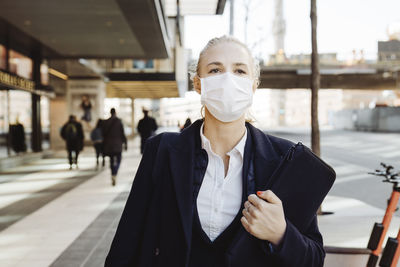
(24, 110)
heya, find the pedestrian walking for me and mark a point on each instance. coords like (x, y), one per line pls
(146, 128)
(113, 140)
(73, 135)
(200, 196)
(97, 138)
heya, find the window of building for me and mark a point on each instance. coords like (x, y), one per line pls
(3, 57)
(20, 65)
(20, 111)
(45, 121)
(44, 73)
(3, 123)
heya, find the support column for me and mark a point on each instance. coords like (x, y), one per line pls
(133, 116)
(36, 120)
(36, 125)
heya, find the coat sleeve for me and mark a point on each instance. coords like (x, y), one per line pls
(123, 136)
(301, 249)
(127, 240)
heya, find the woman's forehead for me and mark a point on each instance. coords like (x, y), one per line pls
(226, 53)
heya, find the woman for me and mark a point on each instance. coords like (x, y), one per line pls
(197, 197)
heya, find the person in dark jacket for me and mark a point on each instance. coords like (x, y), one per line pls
(146, 128)
(113, 140)
(202, 197)
(73, 135)
(17, 136)
(97, 138)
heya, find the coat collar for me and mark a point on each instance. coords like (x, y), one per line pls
(182, 155)
(266, 157)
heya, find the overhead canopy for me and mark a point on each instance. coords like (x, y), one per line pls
(194, 7)
(92, 28)
(142, 85)
(142, 89)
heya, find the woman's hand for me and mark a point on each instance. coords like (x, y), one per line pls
(263, 217)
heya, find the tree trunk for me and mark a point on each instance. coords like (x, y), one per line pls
(315, 81)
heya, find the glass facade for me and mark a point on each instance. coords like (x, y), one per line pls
(45, 121)
(20, 111)
(44, 74)
(3, 123)
(20, 65)
(16, 107)
(3, 57)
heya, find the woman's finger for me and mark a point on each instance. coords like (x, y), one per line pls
(256, 201)
(269, 196)
(245, 224)
(248, 216)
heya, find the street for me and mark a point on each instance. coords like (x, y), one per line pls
(352, 155)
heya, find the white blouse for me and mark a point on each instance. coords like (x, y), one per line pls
(220, 198)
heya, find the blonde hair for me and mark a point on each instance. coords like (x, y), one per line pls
(194, 68)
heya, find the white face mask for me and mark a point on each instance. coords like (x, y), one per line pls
(227, 96)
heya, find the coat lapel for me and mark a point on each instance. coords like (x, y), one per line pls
(266, 158)
(264, 162)
(181, 160)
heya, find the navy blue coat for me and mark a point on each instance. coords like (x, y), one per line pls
(156, 225)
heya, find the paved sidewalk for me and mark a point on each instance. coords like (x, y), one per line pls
(40, 237)
(75, 226)
(352, 222)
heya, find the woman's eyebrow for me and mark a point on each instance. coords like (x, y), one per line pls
(240, 64)
(215, 63)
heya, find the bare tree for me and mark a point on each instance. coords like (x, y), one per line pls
(315, 82)
(255, 45)
(247, 7)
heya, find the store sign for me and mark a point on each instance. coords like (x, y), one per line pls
(17, 82)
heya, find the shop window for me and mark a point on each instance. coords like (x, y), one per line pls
(44, 74)
(20, 65)
(3, 57)
(3, 123)
(20, 112)
(143, 64)
(45, 121)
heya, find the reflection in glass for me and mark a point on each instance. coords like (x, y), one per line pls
(3, 123)
(20, 65)
(20, 110)
(44, 74)
(45, 121)
(3, 57)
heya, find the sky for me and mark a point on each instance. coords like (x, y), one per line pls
(343, 26)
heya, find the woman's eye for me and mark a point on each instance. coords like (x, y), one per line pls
(214, 71)
(240, 71)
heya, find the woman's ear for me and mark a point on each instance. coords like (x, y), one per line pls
(255, 85)
(197, 84)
